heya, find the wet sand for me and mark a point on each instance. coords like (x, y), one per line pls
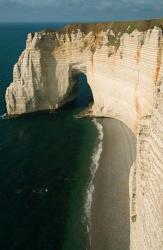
(110, 229)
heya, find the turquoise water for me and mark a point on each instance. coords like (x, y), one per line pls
(45, 164)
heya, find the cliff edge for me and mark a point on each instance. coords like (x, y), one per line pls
(123, 63)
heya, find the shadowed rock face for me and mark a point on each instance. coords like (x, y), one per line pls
(123, 66)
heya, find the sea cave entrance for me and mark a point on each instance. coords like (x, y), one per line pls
(83, 92)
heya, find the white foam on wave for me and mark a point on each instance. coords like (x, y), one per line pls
(3, 116)
(40, 191)
(94, 166)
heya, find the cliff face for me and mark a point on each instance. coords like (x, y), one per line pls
(146, 180)
(122, 68)
(123, 65)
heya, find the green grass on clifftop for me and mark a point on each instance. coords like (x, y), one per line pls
(116, 27)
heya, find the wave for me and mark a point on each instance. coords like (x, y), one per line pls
(3, 116)
(94, 166)
(40, 191)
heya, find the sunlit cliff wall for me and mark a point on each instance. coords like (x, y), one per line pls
(123, 65)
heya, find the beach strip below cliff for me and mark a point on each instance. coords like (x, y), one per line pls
(110, 227)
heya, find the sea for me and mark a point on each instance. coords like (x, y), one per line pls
(47, 163)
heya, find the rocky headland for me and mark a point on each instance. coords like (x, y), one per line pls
(123, 63)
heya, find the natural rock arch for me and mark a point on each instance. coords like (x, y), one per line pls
(122, 86)
(123, 63)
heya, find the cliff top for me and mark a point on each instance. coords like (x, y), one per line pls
(116, 27)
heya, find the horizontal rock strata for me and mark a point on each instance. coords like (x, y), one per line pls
(123, 65)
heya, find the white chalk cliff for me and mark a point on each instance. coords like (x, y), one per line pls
(123, 63)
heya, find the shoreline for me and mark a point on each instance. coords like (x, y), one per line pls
(109, 218)
(94, 166)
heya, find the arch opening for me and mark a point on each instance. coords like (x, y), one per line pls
(84, 95)
(81, 90)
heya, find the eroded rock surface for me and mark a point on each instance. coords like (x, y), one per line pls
(124, 67)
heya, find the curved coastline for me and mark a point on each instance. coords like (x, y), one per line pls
(95, 158)
(110, 226)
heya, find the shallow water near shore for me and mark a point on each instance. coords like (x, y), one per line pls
(63, 181)
(45, 165)
(110, 219)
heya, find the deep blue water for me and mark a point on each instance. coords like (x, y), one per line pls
(45, 164)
